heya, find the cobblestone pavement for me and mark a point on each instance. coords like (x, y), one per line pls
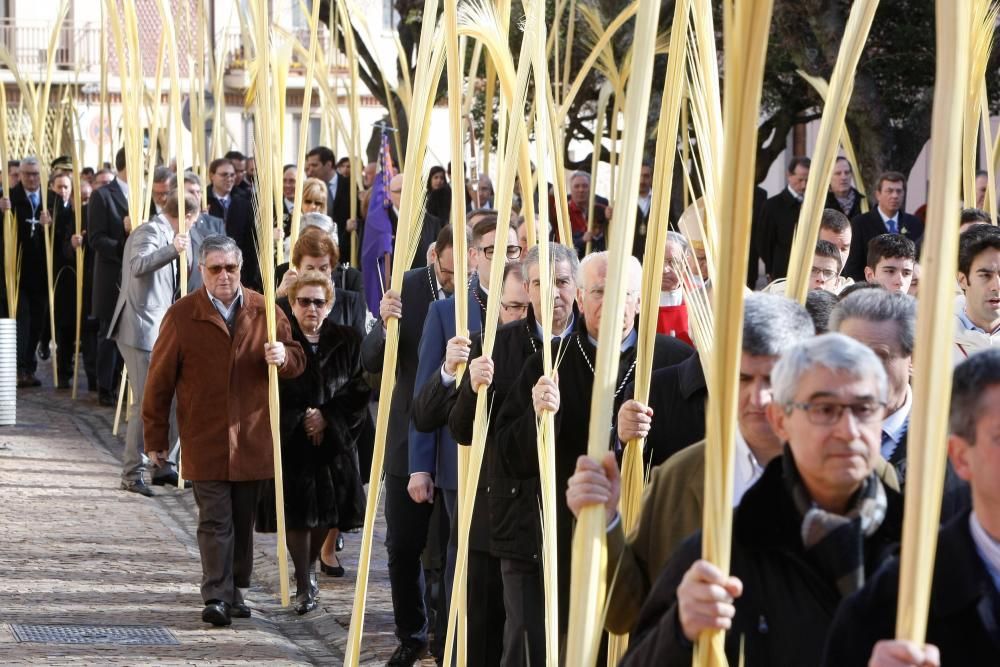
(77, 550)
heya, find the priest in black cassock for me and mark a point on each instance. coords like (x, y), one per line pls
(532, 393)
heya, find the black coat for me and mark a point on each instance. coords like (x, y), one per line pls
(241, 226)
(64, 269)
(416, 295)
(339, 210)
(514, 343)
(518, 534)
(787, 606)
(31, 242)
(956, 495)
(106, 235)
(428, 234)
(831, 202)
(757, 223)
(677, 395)
(964, 608)
(867, 226)
(781, 217)
(322, 483)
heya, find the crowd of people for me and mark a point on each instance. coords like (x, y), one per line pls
(823, 418)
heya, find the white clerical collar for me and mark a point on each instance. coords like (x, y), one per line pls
(672, 298)
(795, 194)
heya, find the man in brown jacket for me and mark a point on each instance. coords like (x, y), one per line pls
(213, 353)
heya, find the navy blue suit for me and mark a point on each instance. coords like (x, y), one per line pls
(436, 452)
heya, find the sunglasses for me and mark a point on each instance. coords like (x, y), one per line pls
(313, 202)
(305, 303)
(216, 269)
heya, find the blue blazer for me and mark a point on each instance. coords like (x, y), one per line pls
(436, 452)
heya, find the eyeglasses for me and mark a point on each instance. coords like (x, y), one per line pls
(514, 307)
(313, 202)
(216, 269)
(225, 174)
(826, 413)
(513, 251)
(825, 274)
(305, 303)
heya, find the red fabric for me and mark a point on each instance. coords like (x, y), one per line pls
(673, 321)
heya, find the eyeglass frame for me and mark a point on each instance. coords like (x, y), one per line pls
(512, 251)
(839, 411)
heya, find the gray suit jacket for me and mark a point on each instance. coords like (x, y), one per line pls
(207, 225)
(148, 285)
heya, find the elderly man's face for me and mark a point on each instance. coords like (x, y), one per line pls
(671, 279)
(890, 196)
(833, 453)
(563, 294)
(31, 177)
(85, 191)
(590, 296)
(579, 190)
(61, 186)
(221, 274)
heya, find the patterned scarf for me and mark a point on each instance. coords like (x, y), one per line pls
(836, 542)
(847, 203)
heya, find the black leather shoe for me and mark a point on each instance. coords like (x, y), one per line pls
(240, 610)
(44, 352)
(170, 479)
(407, 654)
(304, 603)
(337, 571)
(138, 486)
(216, 612)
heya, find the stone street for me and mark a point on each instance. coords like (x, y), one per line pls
(78, 551)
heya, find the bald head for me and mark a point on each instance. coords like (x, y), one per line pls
(396, 189)
(593, 279)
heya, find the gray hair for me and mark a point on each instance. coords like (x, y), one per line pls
(30, 161)
(772, 324)
(320, 221)
(833, 351)
(970, 381)
(220, 243)
(558, 254)
(876, 305)
(678, 238)
(632, 266)
(579, 174)
(189, 177)
(162, 174)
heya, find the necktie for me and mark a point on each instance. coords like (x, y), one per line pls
(33, 197)
(891, 225)
(888, 445)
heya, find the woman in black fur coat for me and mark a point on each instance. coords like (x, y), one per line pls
(321, 412)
